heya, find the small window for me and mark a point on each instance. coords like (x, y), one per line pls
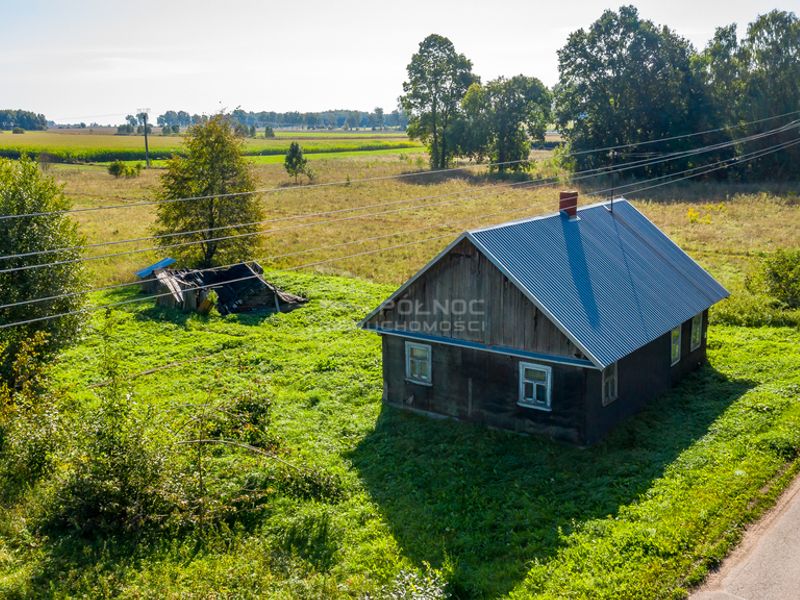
(609, 384)
(697, 331)
(675, 353)
(418, 363)
(534, 386)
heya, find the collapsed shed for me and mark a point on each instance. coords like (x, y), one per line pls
(239, 288)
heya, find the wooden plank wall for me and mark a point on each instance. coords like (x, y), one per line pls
(508, 318)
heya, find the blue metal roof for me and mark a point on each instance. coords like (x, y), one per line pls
(612, 281)
(162, 264)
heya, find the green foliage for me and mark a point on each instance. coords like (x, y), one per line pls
(625, 80)
(121, 169)
(29, 418)
(213, 165)
(22, 119)
(438, 78)
(781, 276)
(24, 189)
(294, 162)
(269, 132)
(116, 481)
(502, 118)
(18, 130)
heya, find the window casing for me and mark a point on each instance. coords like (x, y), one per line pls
(418, 363)
(534, 386)
(675, 346)
(610, 384)
(697, 331)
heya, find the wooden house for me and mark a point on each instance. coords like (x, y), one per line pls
(561, 325)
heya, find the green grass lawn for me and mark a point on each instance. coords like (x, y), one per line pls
(642, 515)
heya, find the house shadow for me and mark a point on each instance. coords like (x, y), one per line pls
(488, 503)
(176, 316)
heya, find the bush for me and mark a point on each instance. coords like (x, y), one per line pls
(120, 169)
(115, 480)
(18, 130)
(781, 276)
(25, 189)
(29, 418)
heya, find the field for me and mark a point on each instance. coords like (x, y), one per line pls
(643, 515)
(74, 146)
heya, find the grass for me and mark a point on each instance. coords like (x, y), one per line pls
(102, 147)
(643, 515)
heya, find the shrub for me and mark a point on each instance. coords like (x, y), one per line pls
(120, 169)
(781, 276)
(413, 585)
(25, 189)
(18, 130)
(115, 482)
(29, 417)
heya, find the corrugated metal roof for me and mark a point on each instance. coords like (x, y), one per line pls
(612, 281)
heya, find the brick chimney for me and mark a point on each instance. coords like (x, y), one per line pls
(568, 203)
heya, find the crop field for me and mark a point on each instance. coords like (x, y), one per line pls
(63, 146)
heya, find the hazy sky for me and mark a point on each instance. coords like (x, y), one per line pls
(86, 60)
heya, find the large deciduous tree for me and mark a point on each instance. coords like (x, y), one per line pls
(502, 118)
(438, 78)
(625, 80)
(24, 190)
(214, 170)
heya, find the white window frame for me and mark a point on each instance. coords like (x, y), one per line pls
(672, 360)
(610, 371)
(697, 327)
(419, 380)
(548, 371)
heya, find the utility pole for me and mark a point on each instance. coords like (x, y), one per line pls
(143, 113)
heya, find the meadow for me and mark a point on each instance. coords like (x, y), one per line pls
(645, 514)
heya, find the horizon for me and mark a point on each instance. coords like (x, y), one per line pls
(115, 64)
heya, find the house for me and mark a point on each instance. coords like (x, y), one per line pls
(238, 288)
(561, 325)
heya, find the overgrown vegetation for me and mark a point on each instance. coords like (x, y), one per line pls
(374, 495)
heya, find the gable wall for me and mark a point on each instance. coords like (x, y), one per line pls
(464, 296)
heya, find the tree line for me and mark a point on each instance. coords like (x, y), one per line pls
(622, 80)
(22, 119)
(377, 119)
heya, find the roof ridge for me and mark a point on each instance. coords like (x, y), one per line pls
(547, 216)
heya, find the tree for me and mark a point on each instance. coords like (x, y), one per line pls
(438, 77)
(294, 162)
(501, 119)
(626, 80)
(212, 166)
(132, 121)
(376, 118)
(269, 132)
(25, 190)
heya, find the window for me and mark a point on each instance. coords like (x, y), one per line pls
(697, 331)
(534, 386)
(609, 384)
(675, 353)
(418, 363)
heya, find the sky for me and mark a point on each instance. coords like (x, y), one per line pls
(98, 60)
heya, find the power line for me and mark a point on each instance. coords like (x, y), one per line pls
(369, 179)
(597, 171)
(685, 135)
(703, 170)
